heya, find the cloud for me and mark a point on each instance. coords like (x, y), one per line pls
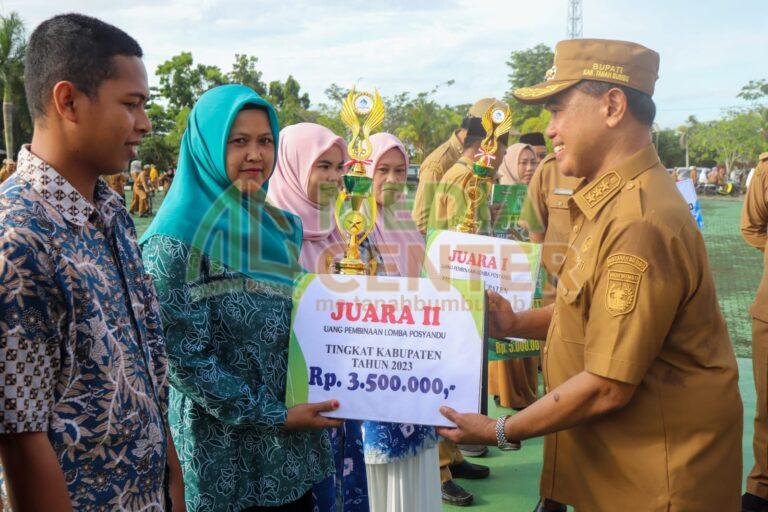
(708, 51)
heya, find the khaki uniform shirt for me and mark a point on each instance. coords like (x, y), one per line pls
(754, 224)
(431, 172)
(5, 173)
(546, 211)
(636, 303)
(450, 201)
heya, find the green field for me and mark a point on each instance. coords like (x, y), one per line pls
(736, 266)
(513, 484)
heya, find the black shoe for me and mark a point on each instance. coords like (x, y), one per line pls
(454, 494)
(541, 508)
(473, 450)
(752, 503)
(465, 469)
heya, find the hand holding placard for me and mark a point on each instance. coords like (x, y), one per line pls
(307, 416)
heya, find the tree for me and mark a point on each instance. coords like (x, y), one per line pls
(754, 90)
(244, 72)
(290, 103)
(12, 49)
(426, 124)
(528, 67)
(736, 138)
(182, 82)
(668, 146)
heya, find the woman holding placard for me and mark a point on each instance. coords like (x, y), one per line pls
(223, 262)
(310, 164)
(401, 459)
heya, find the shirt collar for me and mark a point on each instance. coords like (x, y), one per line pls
(593, 196)
(61, 195)
(455, 144)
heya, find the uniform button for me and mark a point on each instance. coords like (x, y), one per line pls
(559, 203)
(565, 292)
(630, 185)
(575, 229)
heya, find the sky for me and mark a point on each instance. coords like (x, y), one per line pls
(709, 48)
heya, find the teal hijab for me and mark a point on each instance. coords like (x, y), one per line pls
(204, 210)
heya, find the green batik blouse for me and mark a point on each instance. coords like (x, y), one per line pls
(227, 343)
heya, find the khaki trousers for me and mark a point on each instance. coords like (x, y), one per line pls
(449, 454)
(757, 481)
(514, 381)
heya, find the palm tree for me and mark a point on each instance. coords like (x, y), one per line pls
(13, 45)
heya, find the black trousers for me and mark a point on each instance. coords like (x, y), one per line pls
(303, 504)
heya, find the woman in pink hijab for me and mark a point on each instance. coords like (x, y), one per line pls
(518, 165)
(395, 234)
(306, 181)
(307, 178)
(401, 460)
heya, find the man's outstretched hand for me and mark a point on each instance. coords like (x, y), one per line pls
(470, 428)
(501, 322)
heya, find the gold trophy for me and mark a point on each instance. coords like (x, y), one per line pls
(496, 122)
(362, 113)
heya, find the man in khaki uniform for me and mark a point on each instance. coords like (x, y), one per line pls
(117, 182)
(642, 409)
(435, 165)
(450, 201)
(545, 216)
(448, 205)
(754, 223)
(9, 167)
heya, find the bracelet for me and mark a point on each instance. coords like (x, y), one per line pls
(501, 438)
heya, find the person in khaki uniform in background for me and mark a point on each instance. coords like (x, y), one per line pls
(9, 167)
(437, 163)
(450, 201)
(545, 215)
(642, 410)
(117, 182)
(754, 224)
(445, 212)
(140, 202)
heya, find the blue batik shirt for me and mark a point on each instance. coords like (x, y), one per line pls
(81, 349)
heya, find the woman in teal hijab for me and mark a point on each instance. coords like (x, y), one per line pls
(223, 263)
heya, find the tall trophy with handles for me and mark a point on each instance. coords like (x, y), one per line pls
(496, 122)
(355, 209)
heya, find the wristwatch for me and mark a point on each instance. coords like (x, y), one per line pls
(501, 438)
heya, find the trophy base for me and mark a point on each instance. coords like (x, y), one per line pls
(351, 267)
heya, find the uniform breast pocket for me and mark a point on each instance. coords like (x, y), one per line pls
(571, 314)
(558, 229)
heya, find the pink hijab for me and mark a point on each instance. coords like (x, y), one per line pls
(509, 173)
(299, 148)
(395, 234)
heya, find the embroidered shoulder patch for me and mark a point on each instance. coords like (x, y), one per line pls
(621, 296)
(627, 259)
